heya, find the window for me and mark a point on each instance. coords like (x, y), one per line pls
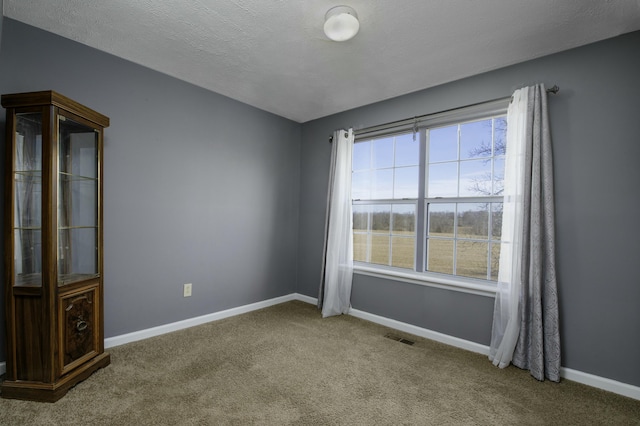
(385, 176)
(432, 203)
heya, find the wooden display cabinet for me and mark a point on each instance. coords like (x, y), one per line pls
(53, 245)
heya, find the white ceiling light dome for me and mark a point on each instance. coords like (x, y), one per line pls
(341, 23)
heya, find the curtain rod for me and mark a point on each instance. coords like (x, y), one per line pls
(552, 90)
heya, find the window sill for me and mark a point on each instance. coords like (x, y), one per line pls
(454, 284)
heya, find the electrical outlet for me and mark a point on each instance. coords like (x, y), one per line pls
(186, 291)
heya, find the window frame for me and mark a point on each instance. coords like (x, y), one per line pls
(483, 111)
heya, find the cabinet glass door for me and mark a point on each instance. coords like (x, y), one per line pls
(77, 201)
(27, 223)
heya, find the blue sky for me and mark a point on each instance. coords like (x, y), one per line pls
(382, 172)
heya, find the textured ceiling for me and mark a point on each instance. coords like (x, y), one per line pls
(272, 54)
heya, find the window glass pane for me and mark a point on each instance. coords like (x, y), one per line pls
(360, 247)
(360, 218)
(383, 153)
(441, 219)
(496, 221)
(473, 220)
(361, 185)
(498, 176)
(471, 259)
(404, 219)
(407, 150)
(495, 261)
(380, 249)
(380, 218)
(475, 139)
(443, 144)
(371, 234)
(362, 155)
(440, 255)
(500, 135)
(382, 184)
(402, 249)
(443, 180)
(405, 184)
(475, 178)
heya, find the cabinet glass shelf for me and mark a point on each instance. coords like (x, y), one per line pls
(28, 280)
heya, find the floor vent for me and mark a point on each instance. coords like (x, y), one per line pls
(399, 339)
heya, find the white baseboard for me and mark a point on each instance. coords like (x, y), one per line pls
(308, 299)
(3, 368)
(566, 373)
(614, 386)
(422, 332)
(408, 328)
(600, 382)
(191, 322)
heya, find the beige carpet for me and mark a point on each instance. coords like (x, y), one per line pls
(286, 365)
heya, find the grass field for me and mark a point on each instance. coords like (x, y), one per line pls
(399, 251)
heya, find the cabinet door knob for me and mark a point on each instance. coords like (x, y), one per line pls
(81, 325)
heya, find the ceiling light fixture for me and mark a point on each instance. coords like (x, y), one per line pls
(341, 23)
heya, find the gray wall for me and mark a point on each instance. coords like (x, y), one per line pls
(198, 188)
(595, 123)
(1, 19)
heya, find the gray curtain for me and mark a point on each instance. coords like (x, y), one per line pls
(538, 345)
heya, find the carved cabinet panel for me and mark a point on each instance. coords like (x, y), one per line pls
(78, 319)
